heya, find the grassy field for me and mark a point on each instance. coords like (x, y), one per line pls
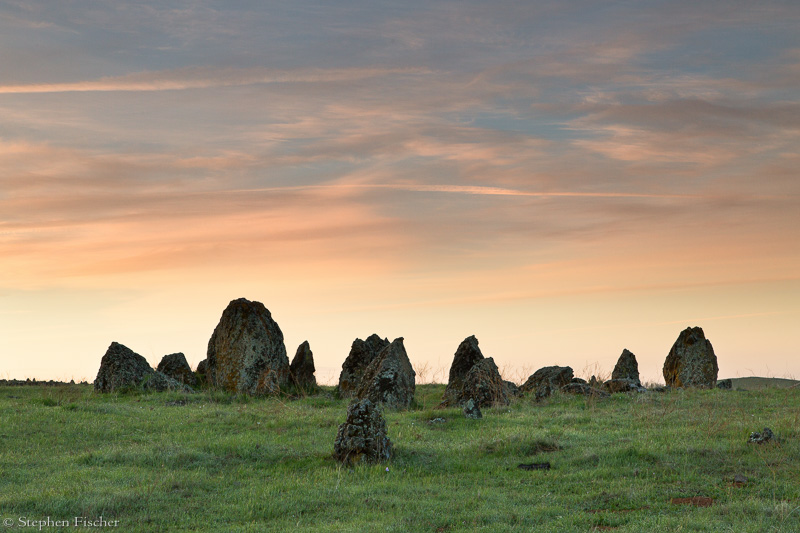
(213, 462)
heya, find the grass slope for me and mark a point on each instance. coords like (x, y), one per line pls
(212, 462)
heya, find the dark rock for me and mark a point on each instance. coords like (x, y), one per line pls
(691, 361)
(484, 386)
(362, 438)
(302, 368)
(626, 368)
(246, 353)
(471, 410)
(623, 385)
(511, 389)
(389, 379)
(546, 380)
(202, 367)
(175, 366)
(725, 384)
(534, 466)
(762, 438)
(121, 368)
(361, 355)
(739, 480)
(580, 380)
(465, 358)
(584, 389)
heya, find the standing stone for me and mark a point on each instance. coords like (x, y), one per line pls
(246, 353)
(546, 380)
(361, 355)
(691, 361)
(465, 358)
(471, 410)
(302, 368)
(362, 438)
(121, 368)
(389, 379)
(626, 367)
(484, 386)
(175, 366)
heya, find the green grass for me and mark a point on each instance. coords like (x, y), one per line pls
(215, 462)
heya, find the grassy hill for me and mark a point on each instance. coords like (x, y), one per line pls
(214, 462)
(756, 383)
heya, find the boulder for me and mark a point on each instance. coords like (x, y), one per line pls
(246, 353)
(546, 380)
(361, 355)
(362, 438)
(691, 361)
(484, 386)
(471, 410)
(302, 368)
(465, 358)
(626, 367)
(175, 366)
(121, 369)
(389, 379)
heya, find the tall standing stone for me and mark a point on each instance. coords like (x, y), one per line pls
(626, 367)
(389, 379)
(246, 352)
(302, 368)
(691, 362)
(361, 355)
(465, 358)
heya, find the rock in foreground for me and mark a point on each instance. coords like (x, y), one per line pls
(121, 369)
(246, 353)
(691, 361)
(362, 438)
(389, 379)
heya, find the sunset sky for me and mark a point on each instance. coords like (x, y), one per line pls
(562, 179)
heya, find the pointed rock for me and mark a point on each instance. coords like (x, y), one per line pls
(465, 358)
(363, 437)
(691, 361)
(484, 386)
(361, 355)
(389, 379)
(246, 352)
(175, 366)
(121, 368)
(626, 367)
(302, 368)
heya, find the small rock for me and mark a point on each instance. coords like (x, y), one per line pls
(623, 385)
(546, 380)
(762, 438)
(175, 366)
(437, 420)
(585, 389)
(725, 384)
(534, 466)
(363, 437)
(739, 480)
(471, 410)
(302, 368)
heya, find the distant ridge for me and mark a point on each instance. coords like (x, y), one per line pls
(757, 383)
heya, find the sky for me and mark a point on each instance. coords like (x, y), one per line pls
(561, 179)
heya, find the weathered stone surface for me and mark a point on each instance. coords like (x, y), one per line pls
(389, 379)
(623, 385)
(362, 437)
(691, 361)
(202, 367)
(626, 367)
(465, 358)
(725, 384)
(511, 389)
(175, 366)
(585, 389)
(546, 380)
(761, 438)
(471, 410)
(484, 386)
(361, 355)
(302, 368)
(246, 352)
(121, 368)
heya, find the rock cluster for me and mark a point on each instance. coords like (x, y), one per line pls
(546, 380)
(389, 378)
(691, 361)
(302, 368)
(246, 353)
(121, 369)
(175, 366)
(363, 436)
(361, 355)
